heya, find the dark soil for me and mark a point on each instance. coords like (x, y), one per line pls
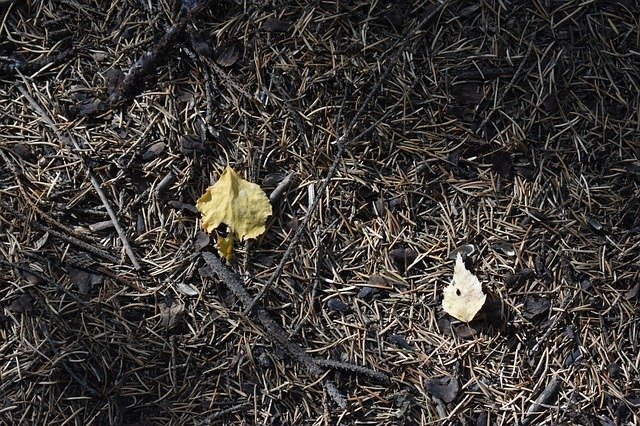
(408, 130)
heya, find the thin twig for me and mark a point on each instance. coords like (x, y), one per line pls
(92, 178)
(346, 366)
(342, 143)
(15, 66)
(68, 238)
(220, 414)
(275, 195)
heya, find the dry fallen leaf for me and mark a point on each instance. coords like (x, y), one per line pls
(85, 281)
(444, 388)
(463, 298)
(171, 315)
(242, 206)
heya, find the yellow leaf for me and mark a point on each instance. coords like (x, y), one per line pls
(225, 246)
(242, 206)
(463, 298)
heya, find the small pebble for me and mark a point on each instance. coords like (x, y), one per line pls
(594, 224)
(406, 255)
(399, 341)
(366, 293)
(154, 151)
(264, 360)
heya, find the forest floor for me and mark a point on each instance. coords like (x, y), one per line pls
(402, 131)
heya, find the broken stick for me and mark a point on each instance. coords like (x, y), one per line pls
(133, 81)
(278, 335)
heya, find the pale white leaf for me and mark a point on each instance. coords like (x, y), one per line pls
(463, 298)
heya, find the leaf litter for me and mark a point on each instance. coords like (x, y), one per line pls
(563, 188)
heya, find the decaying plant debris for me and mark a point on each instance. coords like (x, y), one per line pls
(394, 134)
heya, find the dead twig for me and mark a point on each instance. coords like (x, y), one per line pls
(219, 415)
(544, 397)
(279, 336)
(275, 195)
(92, 178)
(68, 238)
(346, 366)
(13, 66)
(343, 142)
(133, 81)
